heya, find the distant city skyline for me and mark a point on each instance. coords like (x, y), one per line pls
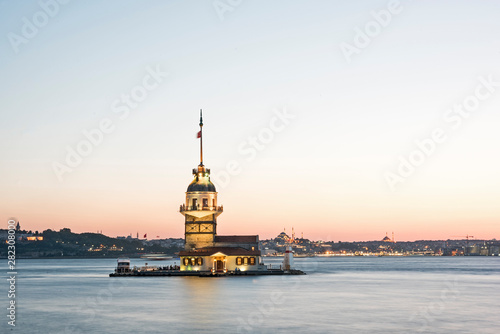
(344, 120)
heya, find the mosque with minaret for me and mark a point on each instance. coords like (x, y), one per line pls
(204, 249)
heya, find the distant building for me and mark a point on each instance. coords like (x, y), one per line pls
(269, 252)
(387, 239)
(34, 238)
(282, 237)
(494, 250)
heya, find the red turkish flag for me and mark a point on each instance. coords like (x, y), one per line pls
(198, 135)
(145, 235)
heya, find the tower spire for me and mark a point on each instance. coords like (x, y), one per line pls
(201, 138)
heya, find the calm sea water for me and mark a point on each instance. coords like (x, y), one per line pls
(340, 295)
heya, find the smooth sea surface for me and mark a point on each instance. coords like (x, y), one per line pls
(339, 295)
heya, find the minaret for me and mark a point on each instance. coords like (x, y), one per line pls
(200, 210)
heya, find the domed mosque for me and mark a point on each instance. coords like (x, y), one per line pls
(204, 250)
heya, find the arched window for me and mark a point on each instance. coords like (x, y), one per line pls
(199, 261)
(195, 203)
(193, 261)
(252, 261)
(186, 261)
(238, 261)
(245, 260)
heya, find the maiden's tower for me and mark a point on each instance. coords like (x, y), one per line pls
(204, 249)
(205, 252)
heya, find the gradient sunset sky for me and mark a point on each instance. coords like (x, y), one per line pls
(322, 171)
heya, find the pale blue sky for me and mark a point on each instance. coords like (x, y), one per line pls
(323, 174)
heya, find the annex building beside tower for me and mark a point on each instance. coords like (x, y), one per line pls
(204, 249)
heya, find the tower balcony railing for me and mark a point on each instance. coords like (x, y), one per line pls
(184, 208)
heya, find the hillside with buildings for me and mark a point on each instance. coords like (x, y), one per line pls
(386, 246)
(64, 243)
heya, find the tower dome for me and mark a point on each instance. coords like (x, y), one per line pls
(201, 181)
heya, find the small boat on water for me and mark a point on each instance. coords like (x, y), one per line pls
(156, 257)
(123, 265)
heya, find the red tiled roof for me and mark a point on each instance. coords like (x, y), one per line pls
(207, 251)
(237, 238)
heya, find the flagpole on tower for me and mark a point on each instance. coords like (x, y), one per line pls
(201, 138)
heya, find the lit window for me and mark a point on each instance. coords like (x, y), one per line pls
(199, 261)
(193, 261)
(186, 261)
(245, 260)
(238, 261)
(252, 261)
